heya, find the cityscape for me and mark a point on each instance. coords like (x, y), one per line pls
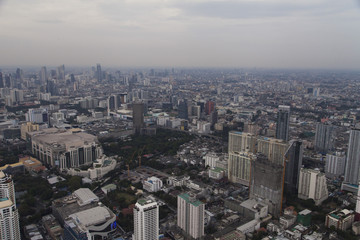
(179, 120)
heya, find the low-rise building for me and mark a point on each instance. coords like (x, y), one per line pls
(340, 219)
(152, 184)
(216, 173)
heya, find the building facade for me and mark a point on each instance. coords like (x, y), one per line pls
(352, 173)
(335, 164)
(283, 122)
(312, 185)
(146, 220)
(138, 117)
(324, 137)
(190, 215)
(9, 216)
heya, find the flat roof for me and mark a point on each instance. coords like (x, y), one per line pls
(6, 203)
(186, 197)
(305, 212)
(85, 195)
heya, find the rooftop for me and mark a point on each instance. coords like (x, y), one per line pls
(189, 199)
(92, 216)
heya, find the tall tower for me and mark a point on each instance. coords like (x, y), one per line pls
(352, 168)
(98, 73)
(190, 215)
(43, 75)
(60, 73)
(324, 137)
(9, 216)
(138, 116)
(282, 126)
(293, 158)
(146, 220)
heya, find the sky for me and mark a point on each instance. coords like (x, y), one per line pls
(316, 34)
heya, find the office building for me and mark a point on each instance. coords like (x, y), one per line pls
(293, 157)
(183, 109)
(98, 74)
(282, 124)
(312, 185)
(190, 215)
(43, 75)
(239, 166)
(138, 116)
(146, 220)
(9, 216)
(340, 219)
(65, 149)
(209, 107)
(37, 115)
(324, 137)
(266, 183)
(28, 127)
(335, 164)
(60, 73)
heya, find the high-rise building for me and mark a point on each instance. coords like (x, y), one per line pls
(273, 149)
(239, 166)
(312, 185)
(190, 215)
(99, 75)
(324, 137)
(352, 170)
(266, 183)
(335, 164)
(209, 107)
(241, 142)
(183, 110)
(138, 116)
(60, 73)
(146, 220)
(37, 115)
(293, 158)
(43, 75)
(9, 216)
(2, 84)
(282, 125)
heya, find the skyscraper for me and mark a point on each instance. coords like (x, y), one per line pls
(9, 216)
(209, 107)
(282, 125)
(2, 84)
(99, 73)
(183, 109)
(60, 73)
(138, 116)
(293, 157)
(190, 215)
(324, 137)
(352, 170)
(43, 75)
(146, 220)
(312, 185)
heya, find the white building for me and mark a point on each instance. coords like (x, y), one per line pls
(146, 220)
(340, 219)
(216, 173)
(190, 215)
(335, 164)
(312, 185)
(152, 184)
(38, 115)
(9, 216)
(210, 160)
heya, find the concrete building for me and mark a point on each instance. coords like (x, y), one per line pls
(210, 160)
(146, 220)
(253, 209)
(283, 122)
(138, 116)
(216, 173)
(190, 215)
(65, 149)
(266, 183)
(152, 184)
(324, 137)
(340, 219)
(335, 164)
(273, 149)
(28, 127)
(239, 166)
(312, 185)
(9, 216)
(352, 173)
(241, 142)
(37, 115)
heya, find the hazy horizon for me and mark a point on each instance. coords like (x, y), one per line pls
(264, 34)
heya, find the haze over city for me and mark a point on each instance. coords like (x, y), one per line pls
(266, 34)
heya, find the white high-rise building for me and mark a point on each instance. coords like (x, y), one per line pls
(312, 185)
(335, 164)
(146, 220)
(352, 171)
(190, 215)
(9, 216)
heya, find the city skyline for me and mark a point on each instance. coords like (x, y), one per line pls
(242, 34)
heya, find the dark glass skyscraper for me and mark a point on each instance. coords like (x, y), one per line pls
(138, 116)
(282, 126)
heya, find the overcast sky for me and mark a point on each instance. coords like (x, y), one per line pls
(183, 33)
